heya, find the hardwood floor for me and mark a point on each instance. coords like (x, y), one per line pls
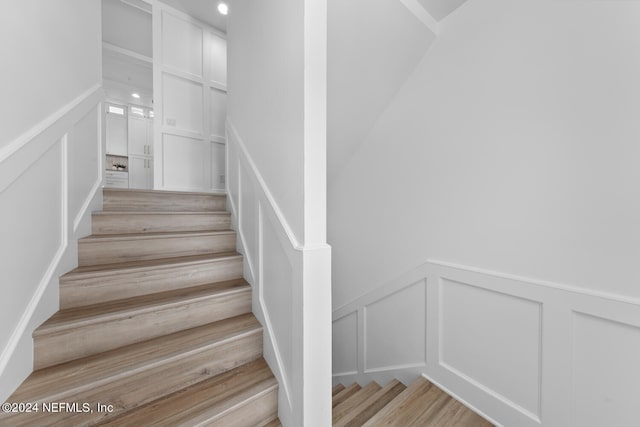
(422, 404)
(155, 326)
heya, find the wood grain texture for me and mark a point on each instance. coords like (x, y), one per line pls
(423, 404)
(92, 285)
(337, 389)
(119, 222)
(139, 388)
(245, 396)
(368, 408)
(165, 201)
(218, 340)
(155, 322)
(348, 405)
(99, 250)
(345, 394)
(274, 423)
(83, 331)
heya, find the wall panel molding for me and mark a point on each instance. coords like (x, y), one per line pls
(515, 349)
(42, 206)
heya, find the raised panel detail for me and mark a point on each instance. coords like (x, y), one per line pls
(181, 45)
(183, 162)
(31, 232)
(218, 113)
(84, 161)
(217, 166)
(277, 293)
(492, 340)
(606, 378)
(395, 329)
(218, 60)
(345, 339)
(249, 216)
(183, 103)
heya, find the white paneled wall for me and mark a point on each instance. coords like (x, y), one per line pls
(49, 184)
(190, 102)
(521, 351)
(274, 265)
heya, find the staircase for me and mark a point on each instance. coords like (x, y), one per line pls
(422, 404)
(155, 325)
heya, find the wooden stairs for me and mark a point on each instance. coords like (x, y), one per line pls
(155, 325)
(422, 404)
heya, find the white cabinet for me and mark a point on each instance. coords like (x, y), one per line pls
(116, 130)
(117, 179)
(140, 136)
(140, 172)
(140, 148)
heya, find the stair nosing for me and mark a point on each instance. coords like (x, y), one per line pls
(161, 264)
(95, 238)
(115, 212)
(242, 403)
(142, 309)
(159, 361)
(135, 190)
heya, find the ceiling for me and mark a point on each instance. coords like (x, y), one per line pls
(204, 10)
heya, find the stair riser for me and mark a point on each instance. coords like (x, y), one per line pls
(115, 200)
(119, 285)
(96, 252)
(157, 223)
(127, 392)
(61, 346)
(256, 412)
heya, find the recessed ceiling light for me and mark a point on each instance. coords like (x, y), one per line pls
(223, 8)
(135, 95)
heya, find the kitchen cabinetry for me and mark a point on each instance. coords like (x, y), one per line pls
(140, 172)
(140, 136)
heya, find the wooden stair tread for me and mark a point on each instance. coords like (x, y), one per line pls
(368, 408)
(274, 423)
(405, 408)
(220, 213)
(138, 389)
(74, 317)
(345, 394)
(342, 409)
(206, 401)
(337, 389)
(152, 264)
(163, 192)
(99, 238)
(72, 377)
(153, 200)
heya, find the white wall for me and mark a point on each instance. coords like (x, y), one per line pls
(49, 57)
(367, 64)
(276, 162)
(50, 162)
(189, 92)
(266, 51)
(511, 149)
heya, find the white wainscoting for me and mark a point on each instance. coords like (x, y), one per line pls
(519, 351)
(49, 182)
(274, 263)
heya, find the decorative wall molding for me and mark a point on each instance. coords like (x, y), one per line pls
(516, 349)
(25, 164)
(267, 211)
